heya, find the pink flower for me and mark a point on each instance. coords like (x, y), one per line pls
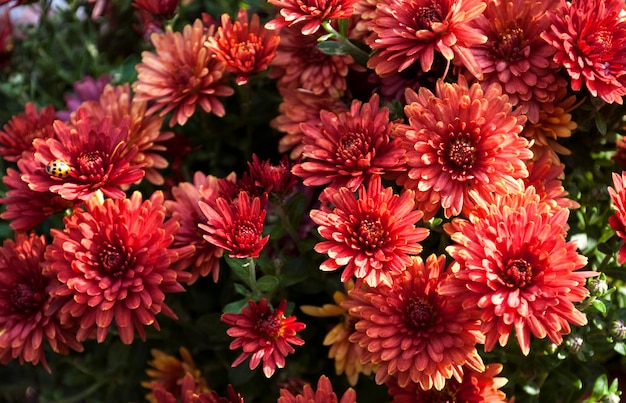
(308, 15)
(618, 221)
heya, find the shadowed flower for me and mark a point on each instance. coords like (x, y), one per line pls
(6, 38)
(323, 394)
(115, 262)
(169, 372)
(515, 56)
(26, 208)
(92, 158)
(413, 333)
(301, 107)
(476, 387)
(461, 139)
(144, 130)
(27, 314)
(264, 334)
(186, 210)
(86, 89)
(347, 355)
(276, 180)
(308, 15)
(514, 264)
(163, 8)
(546, 177)
(244, 48)
(373, 234)
(300, 64)
(349, 147)
(406, 31)
(181, 75)
(618, 221)
(590, 41)
(18, 134)
(235, 226)
(554, 123)
(187, 393)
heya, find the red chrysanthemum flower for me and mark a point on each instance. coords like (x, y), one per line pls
(323, 394)
(18, 134)
(188, 393)
(27, 314)
(181, 75)
(301, 107)
(546, 177)
(590, 41)
(308, 15)
(348, 148)
(618, 221)
(6, 36)
(115, 261)
(407, 31)
(91, 157)
(477, 387)
(144, 130)
(276, 180)
(300, 64)
(163, 8)
(244, 48)
(26, 208)
(411, 331)
(373, 234)
(461, 139)
(236, 226)
(264, 334)
(514, 264)
(515, 56)
(185, 209)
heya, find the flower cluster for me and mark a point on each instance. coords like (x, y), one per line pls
(428, 192)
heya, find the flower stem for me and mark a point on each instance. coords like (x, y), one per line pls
(358, 54)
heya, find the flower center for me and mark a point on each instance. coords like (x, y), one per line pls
(91, 165)
(426, 16)
(371, 234)
(246, 235)
(113, 260)
(509, 45)
(601, 44)
(462, 154)
(351, 150)
(25, 299)
(518, 273)
(269, 326)
(419, 313)
(438, 396)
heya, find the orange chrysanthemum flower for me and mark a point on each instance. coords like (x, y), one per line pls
(181, 75)
(265, 334)
(460, 139)
(18, 134)
(187, 393)
(373, 234)
(412, 332)
(28, 318)
(514, 264)
(115, 264)
(144, 130)
(88, 158)
(244, 48)
(408, 31)
(546, 177)
(323, 394)
(169, 372)
(476, 387)
(301, 107)
(590, 41)
(347, 355)
(515, 56)
(618, 221)
(308, 15)
(300, 64)
(350, 147)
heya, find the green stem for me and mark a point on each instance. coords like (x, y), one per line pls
(85, 393)
(252, 276)
(358, 54)
(282, 214)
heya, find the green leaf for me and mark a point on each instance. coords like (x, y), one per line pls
(620, 348)
(598, 304)
(267, 283)
(235, 307)
(601, 124)
(241, 268)
(332, 48)
(242, 290)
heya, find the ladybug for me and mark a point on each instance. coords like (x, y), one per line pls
(58, 168)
